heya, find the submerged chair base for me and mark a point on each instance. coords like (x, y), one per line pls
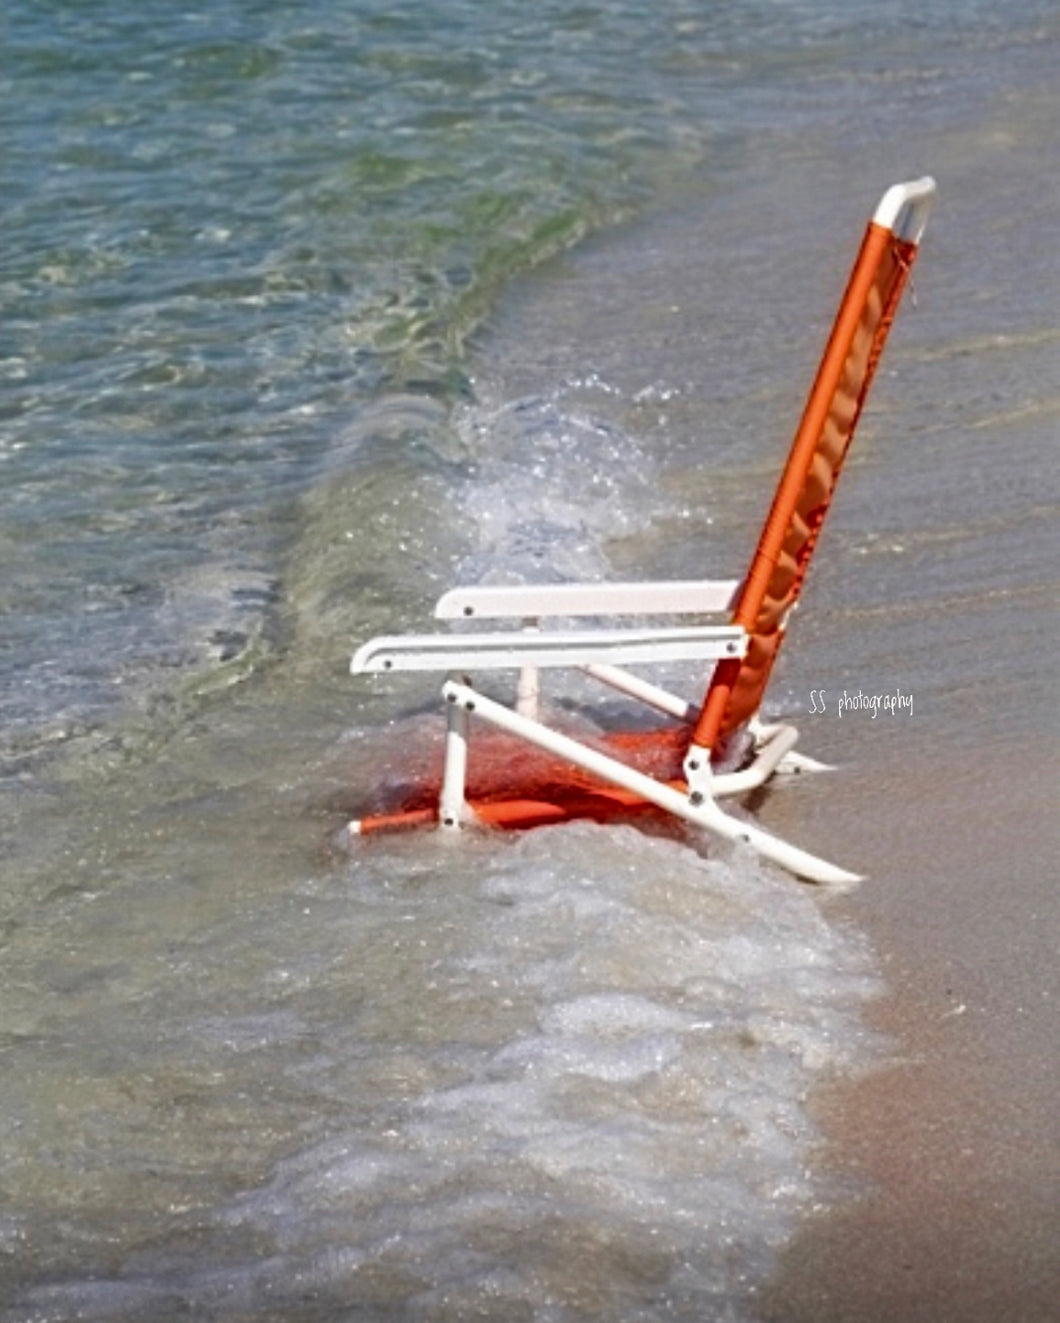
(613, 786)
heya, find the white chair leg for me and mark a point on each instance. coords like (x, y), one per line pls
(792, 763)
(528, 692)
(453, 805)
(697, 807)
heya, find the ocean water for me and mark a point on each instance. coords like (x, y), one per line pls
(310, 312)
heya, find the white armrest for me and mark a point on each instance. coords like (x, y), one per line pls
(515, 649)
(533, 601)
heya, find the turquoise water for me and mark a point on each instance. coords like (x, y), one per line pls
(311, 311)
(227, 231)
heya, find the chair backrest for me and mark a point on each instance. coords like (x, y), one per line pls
(808, 482)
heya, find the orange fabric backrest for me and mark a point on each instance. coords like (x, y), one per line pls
(808, 482)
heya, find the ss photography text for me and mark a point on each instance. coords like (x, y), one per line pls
(894, 704)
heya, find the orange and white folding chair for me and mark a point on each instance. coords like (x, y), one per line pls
(541, 775)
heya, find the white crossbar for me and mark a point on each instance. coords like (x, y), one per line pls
(642, 690)
(519, 648)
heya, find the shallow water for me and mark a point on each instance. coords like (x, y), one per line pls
(296, 347)
(468, 1091)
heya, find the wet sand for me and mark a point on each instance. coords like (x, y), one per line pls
(955, 1141)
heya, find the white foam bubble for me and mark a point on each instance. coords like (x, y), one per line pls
(572, 1066)
(641, 1028)
(552, 482)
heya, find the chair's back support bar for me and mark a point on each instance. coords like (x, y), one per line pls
(808, 482)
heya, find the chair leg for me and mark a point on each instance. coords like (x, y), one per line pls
(453, 804)
(811, 867)
(791, 763)
(528, 692)
(696, 806)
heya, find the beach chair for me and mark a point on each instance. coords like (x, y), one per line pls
(534, 774)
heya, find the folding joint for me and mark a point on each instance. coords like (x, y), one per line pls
(698, 774)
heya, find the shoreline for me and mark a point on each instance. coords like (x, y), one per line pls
(950, 1141)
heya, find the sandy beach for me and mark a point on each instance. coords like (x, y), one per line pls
(954, 1148)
